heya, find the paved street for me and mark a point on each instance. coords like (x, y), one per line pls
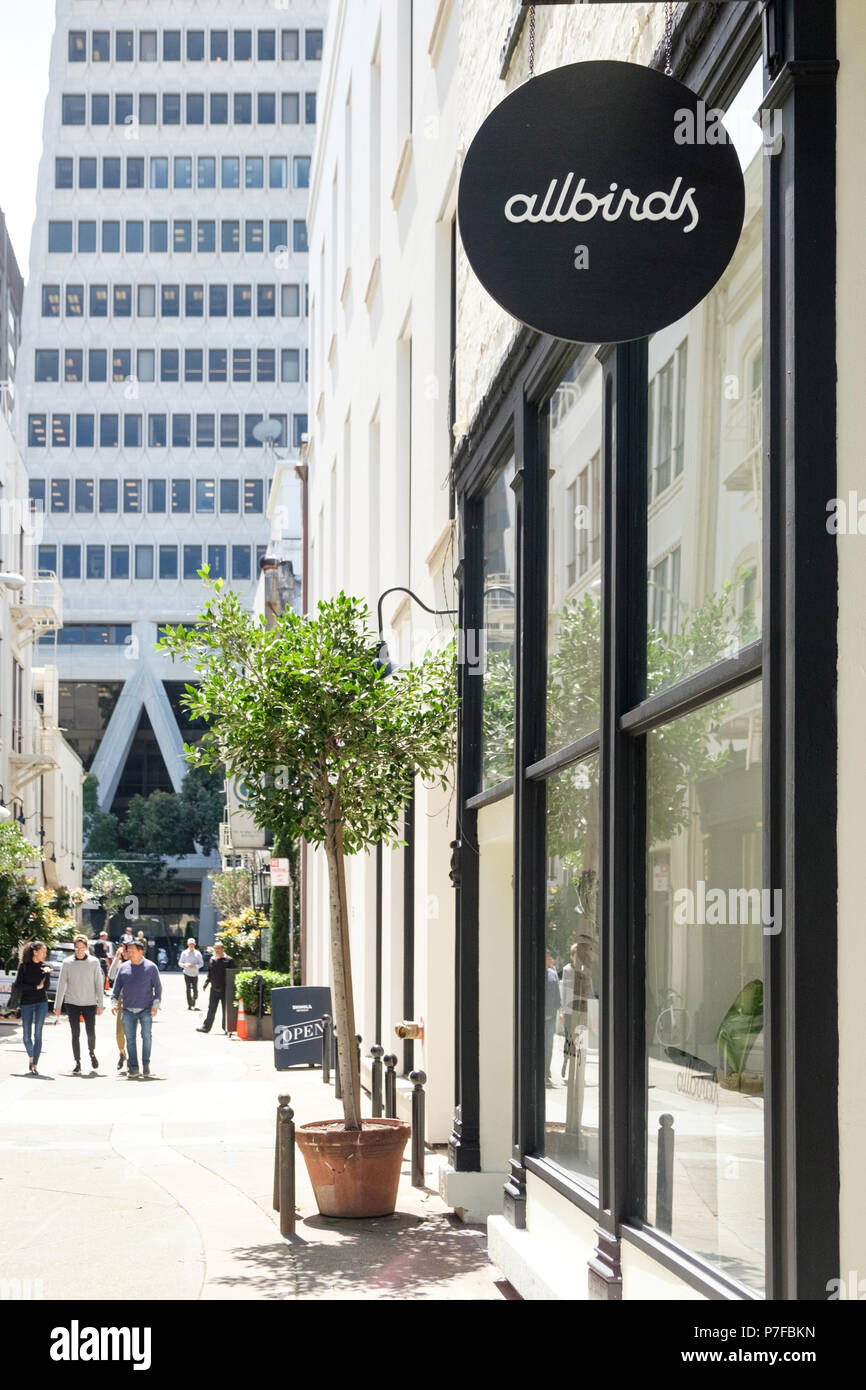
(161, 1189)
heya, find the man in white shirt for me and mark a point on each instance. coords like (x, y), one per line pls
(191, 962)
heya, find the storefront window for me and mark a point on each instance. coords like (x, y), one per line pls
(571, 1096)
(574, 556)
(704, 454)
(706, 917)
(494, 650)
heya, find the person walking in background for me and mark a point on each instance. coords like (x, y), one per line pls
(216, 983)
(32, 979)
(81, 989)
(191, 962)
(120, 956)
(551, 1009)
(140, 983)
(103, 952)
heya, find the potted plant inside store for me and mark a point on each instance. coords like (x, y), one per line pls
(329, 746)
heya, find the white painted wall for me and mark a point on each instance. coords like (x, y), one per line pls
(850, 310)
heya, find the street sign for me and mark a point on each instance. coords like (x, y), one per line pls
(297, 1012)
(280, 875)
(600, 202)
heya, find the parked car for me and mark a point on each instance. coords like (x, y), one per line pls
(7, 980)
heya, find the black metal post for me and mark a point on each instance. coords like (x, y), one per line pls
(338, 1089)
(390, 1085)
(418, 1078)
(665, 1174)
(281, 1101)
(377, 1052)
(358, 1041)
(260, 991)
(287, 1171)
(327, 1044)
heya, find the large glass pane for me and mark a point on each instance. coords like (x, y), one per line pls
(706, 919)
(574, 556)
(571, 1036)
(705, 453)
(491, 652)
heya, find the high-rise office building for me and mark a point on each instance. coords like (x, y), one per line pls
(165, 319)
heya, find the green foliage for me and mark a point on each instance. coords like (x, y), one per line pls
(281, 911)
(156, 824)
(231, 891)
(498, 719)
(240, 936)
(246, 987)
(303, 711)
(112, 887)
(328, 747)
(202, 799)
(678, 753)
(16, 850)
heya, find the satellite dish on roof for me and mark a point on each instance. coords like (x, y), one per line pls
(267, 431)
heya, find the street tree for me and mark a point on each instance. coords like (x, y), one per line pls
(328, 745)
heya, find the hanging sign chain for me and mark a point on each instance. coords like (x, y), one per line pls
(669, 33)
(531, 40)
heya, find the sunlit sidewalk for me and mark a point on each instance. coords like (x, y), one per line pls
(178, 1173)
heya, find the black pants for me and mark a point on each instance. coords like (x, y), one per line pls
(73, 1013)
(191, 982)
(216, 997)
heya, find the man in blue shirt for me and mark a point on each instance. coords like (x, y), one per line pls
(139, 981)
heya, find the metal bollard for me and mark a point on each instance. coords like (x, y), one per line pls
(327, 1044)
(665, 1174)
(338, 1089)
(281, 1101)
(376, 1052)
(390, 1086)
(358, 1041)
(287, 1171)
(418, 1078)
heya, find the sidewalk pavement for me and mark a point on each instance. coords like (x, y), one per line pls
(162, 1189)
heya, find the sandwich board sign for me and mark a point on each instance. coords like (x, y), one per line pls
(297, 1012)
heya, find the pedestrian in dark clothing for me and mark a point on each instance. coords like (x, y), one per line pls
(32, 979)
(216, 983)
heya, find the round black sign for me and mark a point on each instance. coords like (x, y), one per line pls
(600, 202)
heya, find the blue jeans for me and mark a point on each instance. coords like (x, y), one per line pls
(32, 1019)
(129, 1021)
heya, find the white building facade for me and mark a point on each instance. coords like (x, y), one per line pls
(382, 206)
(165, 319)
(640, 533)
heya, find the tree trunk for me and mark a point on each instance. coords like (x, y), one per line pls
(344, 1007)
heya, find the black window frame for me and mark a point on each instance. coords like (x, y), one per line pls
(713, 50)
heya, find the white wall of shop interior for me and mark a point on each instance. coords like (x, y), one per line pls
(851, 309)
(382, 199)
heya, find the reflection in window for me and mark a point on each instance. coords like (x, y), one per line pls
(572, 980)
(574, 551)
(704, 457)
(493, 654)
(706, 915)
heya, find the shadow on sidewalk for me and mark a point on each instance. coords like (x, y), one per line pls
(401, 1256)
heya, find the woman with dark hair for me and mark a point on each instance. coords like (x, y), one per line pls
(32, 979)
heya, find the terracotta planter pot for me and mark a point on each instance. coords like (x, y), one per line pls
(354, 1172)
